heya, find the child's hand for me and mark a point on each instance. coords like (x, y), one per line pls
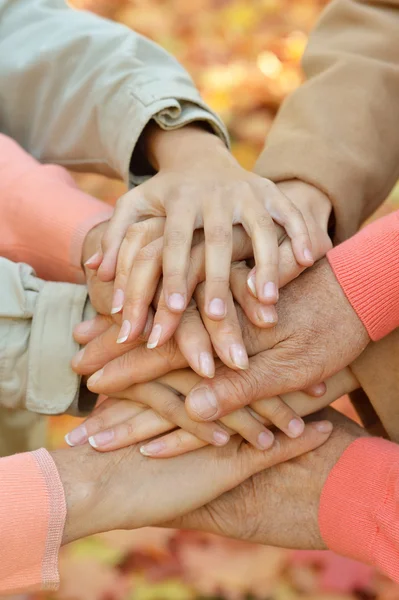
(200, 184)
(117, 423)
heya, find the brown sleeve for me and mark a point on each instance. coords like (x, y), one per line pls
(339, 130)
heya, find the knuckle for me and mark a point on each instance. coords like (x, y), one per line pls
(219, 235)
(149, 253)
(175, 238)
(264, 222)
(278, 412)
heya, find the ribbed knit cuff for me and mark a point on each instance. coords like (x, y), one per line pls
(356, 504)
(56, 518)
(367, 268)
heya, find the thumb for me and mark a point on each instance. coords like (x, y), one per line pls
(270, 373)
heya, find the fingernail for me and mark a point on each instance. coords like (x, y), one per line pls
(153, 448)
(296, 427)
(323, 426)
(265, 440)
(270, 291)
(155, 336)
(78, 357)
(117, 301)
(221, 437)
(77, 436)
(239, 356)
(176, 301)
(319, 389)
(251, 284)
(217, 307)
(267, 314)
(308, 255)
(103, 438)
(203, 402)
(91, 262)
(124, 332)
(95, 377)
(85, 326)
(207, 365)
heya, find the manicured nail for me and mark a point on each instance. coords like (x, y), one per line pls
(296, 427)
(323, 426)
(203, 402)
(267, 314)
(239, 356)
(77, 436)
(176, 302)
(265, 440)
(308, 255)
(217, 308)
(270, 291)
(155, 336)
(91, 263)
(206, 364)
(85, 326)
(153, 448)
(124, 332)
(117, 301)
(103, 438)
(221, 437)
(95, 377)
(251, 284)
(78, 357)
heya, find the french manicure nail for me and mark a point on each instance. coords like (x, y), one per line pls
(308, 255)
(221, 437)
(103, 438)
(267, 314)
(124, 332)
(176, 302)
(203, 402)
(77, 436)
(153, 448)
(296, 427)
(95, 377)
(78, 357)
(155, 336)
(265, 440)
(270, 291)
(207, 365)
(85, 326)
(323, 426)
(91, 262)
(217, 307)
(251, 284)
(117, 301)
(239, 356)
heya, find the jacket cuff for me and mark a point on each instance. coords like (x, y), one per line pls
(367, 268)
(358, 505)
(59, 307)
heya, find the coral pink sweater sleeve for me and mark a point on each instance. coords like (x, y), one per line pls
(44, 216)
(359, 508)
(32, 518)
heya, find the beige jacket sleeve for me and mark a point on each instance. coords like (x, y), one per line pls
(36, 343)
(339, 130)
(78, 90)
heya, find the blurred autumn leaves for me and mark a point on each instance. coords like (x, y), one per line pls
(242, 54)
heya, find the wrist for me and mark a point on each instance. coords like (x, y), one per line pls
(188, 144)
(76, 469)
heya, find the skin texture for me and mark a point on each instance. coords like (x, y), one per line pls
(121, 489)
(279, 506)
